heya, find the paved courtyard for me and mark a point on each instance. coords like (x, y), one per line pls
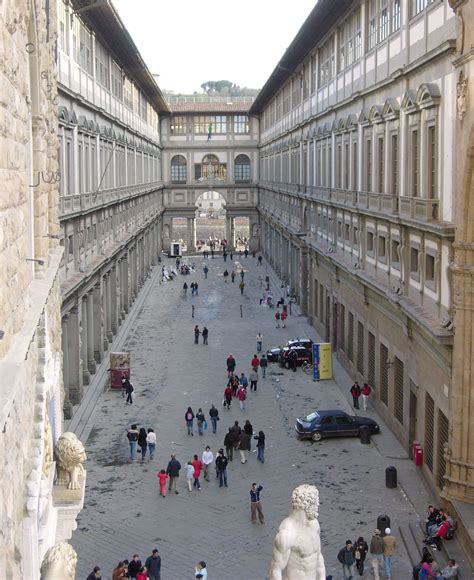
(124, 512)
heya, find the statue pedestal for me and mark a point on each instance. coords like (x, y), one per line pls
(68, 503)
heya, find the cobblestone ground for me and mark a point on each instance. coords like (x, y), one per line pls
(124, 513)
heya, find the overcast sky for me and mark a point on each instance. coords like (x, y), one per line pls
(188, 42)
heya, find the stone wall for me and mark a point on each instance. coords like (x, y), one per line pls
(30, 363)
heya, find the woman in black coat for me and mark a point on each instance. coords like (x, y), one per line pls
(142, 442)
(360, 552)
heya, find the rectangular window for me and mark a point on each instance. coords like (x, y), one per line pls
(210, 124)
(395, 258)
(394, 172)
(384, 374)
(321, 302)
(102, 69)
(415, 160)
(370, 242)
(414, 266)
(342, 327)
(382, 247)
(368, 165)
(372, 24)
(398, 392)
(178, 173)
(355, 173)
(395, 15)
(242, 172)
(241, 124)
(432, 162)
(326, 62)
(314, 73)
(350, 338)
(429, 432)
(419, 5)
(384, 20)
(316, 298)
(357, 37)
(339, 166)
(381, 165)
(371, 360)
(178, 125)
(443, 434)
(429, 268)
(345, 183)
(117, 82)
(85, 49)
(360, 348)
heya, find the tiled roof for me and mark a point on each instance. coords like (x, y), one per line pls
(209, 107)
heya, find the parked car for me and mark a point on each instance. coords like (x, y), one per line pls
(273, 354)
(321, 424)
(302, 353)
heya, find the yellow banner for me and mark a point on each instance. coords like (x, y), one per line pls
(325, 361)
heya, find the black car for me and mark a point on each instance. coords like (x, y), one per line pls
(273, 355)
(321, 424)
(302, 355)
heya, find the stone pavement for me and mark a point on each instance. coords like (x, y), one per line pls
(123, 511)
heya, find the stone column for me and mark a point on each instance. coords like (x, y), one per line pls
(113, 302)
(108, 310)
(86, 377)
(67, 405)
(90, 334)
(304, 279)
(124, 285)
(98, 313)
(74, 371)
(191, 234)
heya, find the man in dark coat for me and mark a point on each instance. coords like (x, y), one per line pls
(153, 565)
(173, 471)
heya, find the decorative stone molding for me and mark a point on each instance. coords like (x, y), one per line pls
(70, 455)
(59, 562)
(461, 96)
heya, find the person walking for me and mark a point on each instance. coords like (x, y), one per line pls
(241, 396)
(365, 395)
(264, 365)
(162, 478)
(259, 261)
(355, 392)
(228, 397)
(242, 286)
(192, 288)
(244, 447)
(151, 442)
(277, 318)
(120, 572)
(221, 467)
(255, 363)
(253, 376)
(234, 383)
(173, 469)
(185, 289)
(132, 436)
(389, 547)
(189, 418)
(256, 504)
(260, 446)
(142, 442)
(259, 339)
(200, 571)
(189, 469)
(232, 276)
(230, 362)
(206, 271)
(196, 288)
(248, 428)
(226, 275)
(124, 386)
(205, 334)
(134, 567)
(244, 381)
(198, 466)
(129, 390)
(246, 253)
(197, 332)
(153, 565)
(360, 552)
(229, 440)
(207, 459)
(201, 421)
(224, 255)
(283, 317)
(214, 415)
(347, 559)
(96, 574)
(376, 551)
(242, 274)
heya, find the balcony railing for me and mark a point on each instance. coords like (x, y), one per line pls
(416, 208)
(84, 201)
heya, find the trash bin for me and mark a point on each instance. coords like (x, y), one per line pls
(382, 523)
(364, 435)
(391, 477)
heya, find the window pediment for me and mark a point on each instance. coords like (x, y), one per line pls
(391, 109)
(428, 95)
(409, 101)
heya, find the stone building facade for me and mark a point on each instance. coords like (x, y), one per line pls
(210, 145)
(111, 197)
(30, 322)
(358, 201)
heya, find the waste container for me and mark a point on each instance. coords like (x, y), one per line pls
(364, 435)
(382, 523)
(391, 477)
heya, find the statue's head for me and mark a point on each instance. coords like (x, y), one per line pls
(306, 497)
(59, 562)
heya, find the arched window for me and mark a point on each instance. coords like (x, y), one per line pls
(242, 168)
(178, 169)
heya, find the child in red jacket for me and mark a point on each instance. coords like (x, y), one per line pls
(162, 478)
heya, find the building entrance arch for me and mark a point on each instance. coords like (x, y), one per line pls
(210, 220)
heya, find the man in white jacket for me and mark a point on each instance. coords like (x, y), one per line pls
(208, 460)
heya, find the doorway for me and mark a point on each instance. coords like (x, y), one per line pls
(413, 412)
(210, 220)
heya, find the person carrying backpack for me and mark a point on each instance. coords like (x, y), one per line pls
(128, 390)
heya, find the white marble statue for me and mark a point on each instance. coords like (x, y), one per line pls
(59, 562)
(70, 455)
(297, 548)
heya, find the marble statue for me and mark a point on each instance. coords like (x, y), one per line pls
(297, 547)
(59, 562)
(70, 455)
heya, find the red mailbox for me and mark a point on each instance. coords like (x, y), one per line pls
(419, 457)
(414, 447)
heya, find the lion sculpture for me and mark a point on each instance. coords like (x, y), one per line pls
(59, 562)
(70, 455)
